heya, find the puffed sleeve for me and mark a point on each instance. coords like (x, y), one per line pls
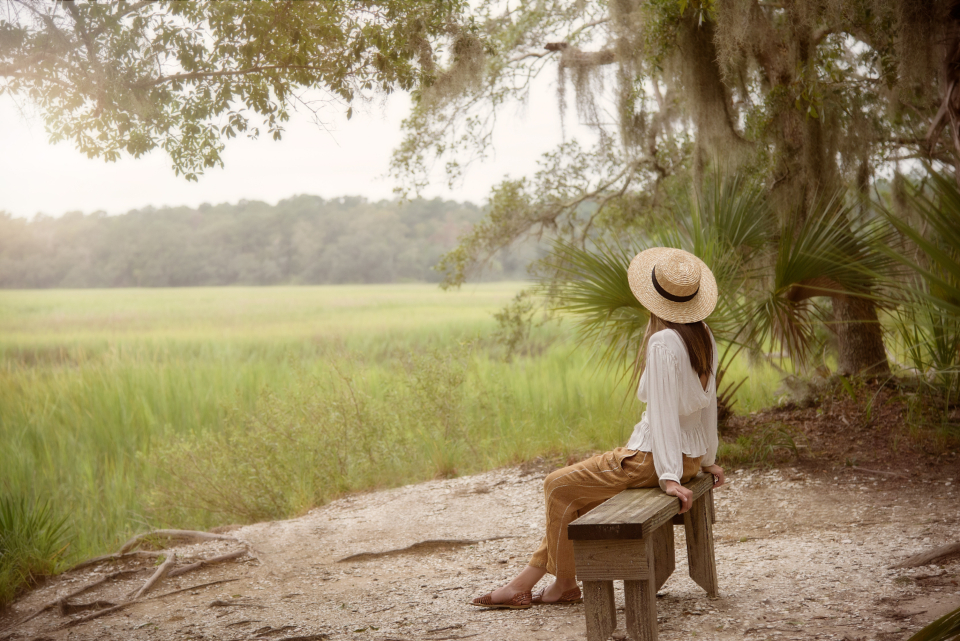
(663, 411)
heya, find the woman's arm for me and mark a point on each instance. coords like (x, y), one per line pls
(708, 463)
(663, 411)
(708, 418)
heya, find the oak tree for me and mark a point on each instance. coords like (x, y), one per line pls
(132, 76)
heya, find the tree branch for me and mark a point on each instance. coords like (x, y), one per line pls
(195, 75)
(133, 8)
(529, 54)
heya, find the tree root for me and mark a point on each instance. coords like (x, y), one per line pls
(177, 535)
(97, 614)
(128, 551)
(926, 558)
(205, 562)
(192, 587)
(161, 572)
(66, 609)
(139, 554)
(119, 606)
(61, 603)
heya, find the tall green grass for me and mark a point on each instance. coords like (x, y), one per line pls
(32, 541)
(128, 409)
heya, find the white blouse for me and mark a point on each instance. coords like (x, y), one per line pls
(681, 416)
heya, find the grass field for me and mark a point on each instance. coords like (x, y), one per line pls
(129, 409)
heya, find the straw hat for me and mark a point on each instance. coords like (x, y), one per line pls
(673, 284)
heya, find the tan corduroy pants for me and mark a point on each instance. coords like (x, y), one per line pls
(576, 489)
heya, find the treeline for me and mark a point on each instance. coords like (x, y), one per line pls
(301, 240)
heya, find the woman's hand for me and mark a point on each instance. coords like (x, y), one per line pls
(682, 493)
(717, 471)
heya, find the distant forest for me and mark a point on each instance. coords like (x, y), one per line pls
(301, 240)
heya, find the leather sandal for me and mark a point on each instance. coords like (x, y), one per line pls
(520, 601)
(570, 596)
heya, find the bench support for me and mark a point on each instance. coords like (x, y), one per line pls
(600, 608)
(698, 524)
(640, 597)
(663, 554)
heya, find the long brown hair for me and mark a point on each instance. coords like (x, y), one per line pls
(695, 336)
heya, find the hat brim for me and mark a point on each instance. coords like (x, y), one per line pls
(641, 284)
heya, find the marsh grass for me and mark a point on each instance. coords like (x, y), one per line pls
(129, 409)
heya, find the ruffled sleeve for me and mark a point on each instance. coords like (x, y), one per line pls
(663, 402)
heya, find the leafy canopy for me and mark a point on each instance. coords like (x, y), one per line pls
(133, 76)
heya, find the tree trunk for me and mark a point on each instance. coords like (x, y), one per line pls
(706, 93)
(859, 337)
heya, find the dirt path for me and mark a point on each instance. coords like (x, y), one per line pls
(799, 557)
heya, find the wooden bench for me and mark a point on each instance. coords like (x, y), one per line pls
(629, 538)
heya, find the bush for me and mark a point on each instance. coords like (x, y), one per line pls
(32, 542)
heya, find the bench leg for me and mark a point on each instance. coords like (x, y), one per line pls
(663, 552)
(640, 598)
(600, 609)
(698, 524)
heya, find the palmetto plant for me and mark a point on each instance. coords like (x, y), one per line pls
(727, 225)
(945, 628)
(834, 251)
(928, 316)
(772, 280)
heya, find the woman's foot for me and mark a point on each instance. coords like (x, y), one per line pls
(559, 592)
(514, 595)
(504, 598)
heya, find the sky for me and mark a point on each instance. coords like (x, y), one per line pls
(349, 158)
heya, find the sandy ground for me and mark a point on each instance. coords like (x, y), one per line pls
(798, 556)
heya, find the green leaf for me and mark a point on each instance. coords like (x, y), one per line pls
(943, 629)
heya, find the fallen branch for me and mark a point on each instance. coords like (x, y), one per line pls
(926, 558)
(179, 535)
(205, 562)
(159, 574)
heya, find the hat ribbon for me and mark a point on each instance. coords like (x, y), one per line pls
(668, 295)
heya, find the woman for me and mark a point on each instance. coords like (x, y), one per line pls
(675, 438)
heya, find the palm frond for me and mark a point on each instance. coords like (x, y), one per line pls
(728, 224)
(594, 289)
(831, 253)
(735, 210)
(943, 629)
(938, 244)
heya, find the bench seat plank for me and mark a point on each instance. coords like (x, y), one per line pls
(634, 513)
